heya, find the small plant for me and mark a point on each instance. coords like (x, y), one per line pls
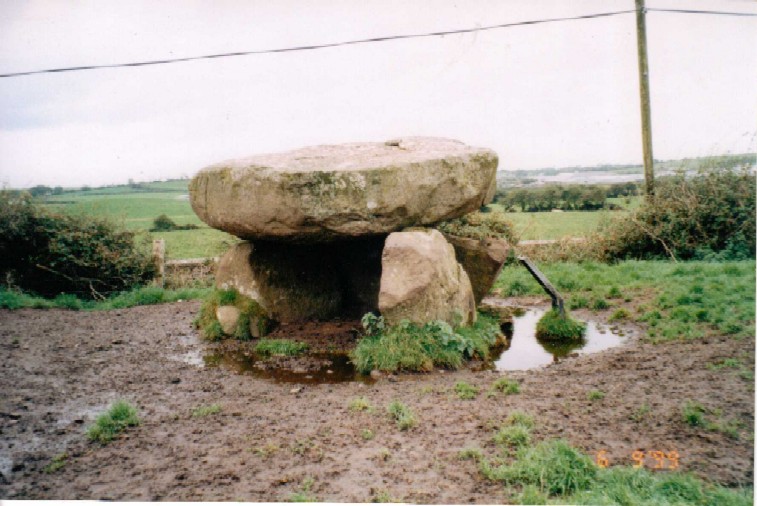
(595, 395)
(402, 415)
(513, 436)
(304, 494)
(619, 314)
(465, 390)
(360, 404)
(520, 418)
(554, 326)
(506, 385)
(57, 463)
(725, 363)
(109, 424)
(382, 496)
(578, 302)
(266, 451)
(283, 347)
(203, 411)
(367, 434)
(599, 304)
(470, 454)
(614, 293)
(693, 414)
(641, 413)
(384, 454)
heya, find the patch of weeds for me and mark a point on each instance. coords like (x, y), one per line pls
(412, 347)
(726, 363)
(382, 496)
(304, 494)
(426, 390)
(520, 418)
(360, 404)
(614, 293)
(556, 327)
(595, 395)
(532, 495)
(384, 454)
(280, 347)
(109, 424)
(619, 314)
(465, 390)
(599, 304)
(506, 385)
(367, 434)
(578, 302)
(402, 415)
(640, 413)
(513, 436)
(470, 454)
(266, 451)
(56, 463)
(693, 414)
(202, 411)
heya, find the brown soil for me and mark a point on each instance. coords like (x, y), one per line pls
(61, 368)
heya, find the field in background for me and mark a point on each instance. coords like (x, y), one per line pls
(137, 206)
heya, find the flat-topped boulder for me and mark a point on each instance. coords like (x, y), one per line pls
(326, 193)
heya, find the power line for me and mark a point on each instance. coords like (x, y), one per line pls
(691, 11)
(319, 46)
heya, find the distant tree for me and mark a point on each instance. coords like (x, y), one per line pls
(58, 190)
(40, 190)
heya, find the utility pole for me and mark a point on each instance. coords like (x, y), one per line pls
(646, 116)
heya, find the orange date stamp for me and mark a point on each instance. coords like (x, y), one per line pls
(652, 459)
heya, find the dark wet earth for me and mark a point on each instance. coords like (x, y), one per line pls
(270, 437)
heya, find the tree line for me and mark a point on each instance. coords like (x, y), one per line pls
(572, 197)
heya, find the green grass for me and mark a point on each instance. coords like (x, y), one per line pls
(412, 347)
(137, 208)
(549, 225)
(552, 471)
(304, 495)
(506, 385)
(203, 411)
(281, 347)
(147, 295)
(557, 327)
(109, 424)
(57, 463)
(402, 415)
(595, 395)
(674, 300)
(367, 434)
(696, 415)
(360, 404)
(465, 391)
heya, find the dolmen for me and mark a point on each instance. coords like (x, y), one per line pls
(337, 231)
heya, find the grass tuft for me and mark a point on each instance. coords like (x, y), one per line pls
(595, 395)
(203, 411)
(282, 347)
(360, 404)
(556, 327)
(109, 424)
(506, 385)
(466, 391)
(403, 416)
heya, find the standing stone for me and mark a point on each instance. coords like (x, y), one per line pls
(325, 193)
(422, 281)
(482, 259)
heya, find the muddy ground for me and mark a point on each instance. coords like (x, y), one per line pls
(61, 368)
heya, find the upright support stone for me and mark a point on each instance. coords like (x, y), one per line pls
(159, 260)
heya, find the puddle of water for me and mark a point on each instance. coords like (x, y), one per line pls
(525, 351)
(318, 367)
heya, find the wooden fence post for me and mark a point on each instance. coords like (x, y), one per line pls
(159, 259)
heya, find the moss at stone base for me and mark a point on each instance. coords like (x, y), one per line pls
(253, 320)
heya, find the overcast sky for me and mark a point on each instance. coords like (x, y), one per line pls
(555, 94)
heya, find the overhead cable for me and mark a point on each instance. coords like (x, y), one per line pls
(692, 11)
(318, 46)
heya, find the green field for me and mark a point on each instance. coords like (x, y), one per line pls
(136, 208)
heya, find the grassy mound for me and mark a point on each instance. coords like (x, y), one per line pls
(250, 311)
(411, 347)
(556, 327)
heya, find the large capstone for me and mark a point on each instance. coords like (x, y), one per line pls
(421, 280)
(327, 193)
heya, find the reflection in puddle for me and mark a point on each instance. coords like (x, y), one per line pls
(312, 368)
(525, 351)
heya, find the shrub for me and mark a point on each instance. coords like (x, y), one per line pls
(556, 327)
(710, 216)
(478, 225)
(412, 347)
(49, 254)
(118, 417)
(165, 224)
